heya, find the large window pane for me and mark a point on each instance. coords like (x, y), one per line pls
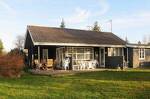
(74, 50)
(69, 50)
(74, 62)
(120, 51)
(74, 56)
(87, 57)
(115, 52)
(88, 51)
(80, 50)
(110, 52)
(80, 56)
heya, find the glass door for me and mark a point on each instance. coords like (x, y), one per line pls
(45, 55)
(60, 55)
(102, 57)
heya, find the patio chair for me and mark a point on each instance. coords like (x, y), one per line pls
(92, 64)
(49, 64)
(66, 63)
(95, 63)
(37, 64)
(83, 65)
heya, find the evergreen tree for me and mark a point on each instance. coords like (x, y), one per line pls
(96, 27)
(62, 25)
(139, 42)
(1, 47)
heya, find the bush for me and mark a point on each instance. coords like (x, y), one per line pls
(11, 65)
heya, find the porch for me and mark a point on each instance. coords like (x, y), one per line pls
(80, 58)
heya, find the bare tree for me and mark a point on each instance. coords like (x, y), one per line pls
(19, 43)
(126, 40)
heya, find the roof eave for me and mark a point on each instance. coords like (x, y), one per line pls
(76, 44)
(138, 46)
(28, 31)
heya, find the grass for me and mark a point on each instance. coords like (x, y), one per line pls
(131, 84)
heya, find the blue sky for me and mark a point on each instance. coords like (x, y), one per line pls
(131, 18)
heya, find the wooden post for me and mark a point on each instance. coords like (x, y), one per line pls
(123, 55)
(127, 56)
(104, 57)
(38, 54)
(32, 56)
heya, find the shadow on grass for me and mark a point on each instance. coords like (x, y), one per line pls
(115, 75)
(38, 80)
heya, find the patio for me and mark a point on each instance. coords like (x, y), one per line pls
(62, 72)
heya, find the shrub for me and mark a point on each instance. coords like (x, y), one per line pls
(11, 65)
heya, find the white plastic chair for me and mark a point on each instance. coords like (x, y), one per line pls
(90, 65)
(66, 63)
(83, 65)
(95, 62)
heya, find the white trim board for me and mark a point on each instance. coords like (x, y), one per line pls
(137, 46)
(76, 44)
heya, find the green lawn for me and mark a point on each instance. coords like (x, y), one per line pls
(91, 85)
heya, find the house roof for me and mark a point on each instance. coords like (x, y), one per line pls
(59, 36)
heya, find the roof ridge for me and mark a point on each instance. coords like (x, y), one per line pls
(67, 28)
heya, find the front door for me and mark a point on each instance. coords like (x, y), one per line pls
(45, 55)
(102, 57)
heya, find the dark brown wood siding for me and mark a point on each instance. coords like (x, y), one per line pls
(29, 46)
(114, 61)
(134, 60)
(130, 57)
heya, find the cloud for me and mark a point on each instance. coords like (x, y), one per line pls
(103, 8)
(4, 7)
(80, 15)
(83, 14)
(136, 20)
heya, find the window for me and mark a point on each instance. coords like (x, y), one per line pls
(141, 53)
(80, 53)
(115, 51)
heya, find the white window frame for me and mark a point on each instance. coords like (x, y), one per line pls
(84, 54)
(141, 53)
